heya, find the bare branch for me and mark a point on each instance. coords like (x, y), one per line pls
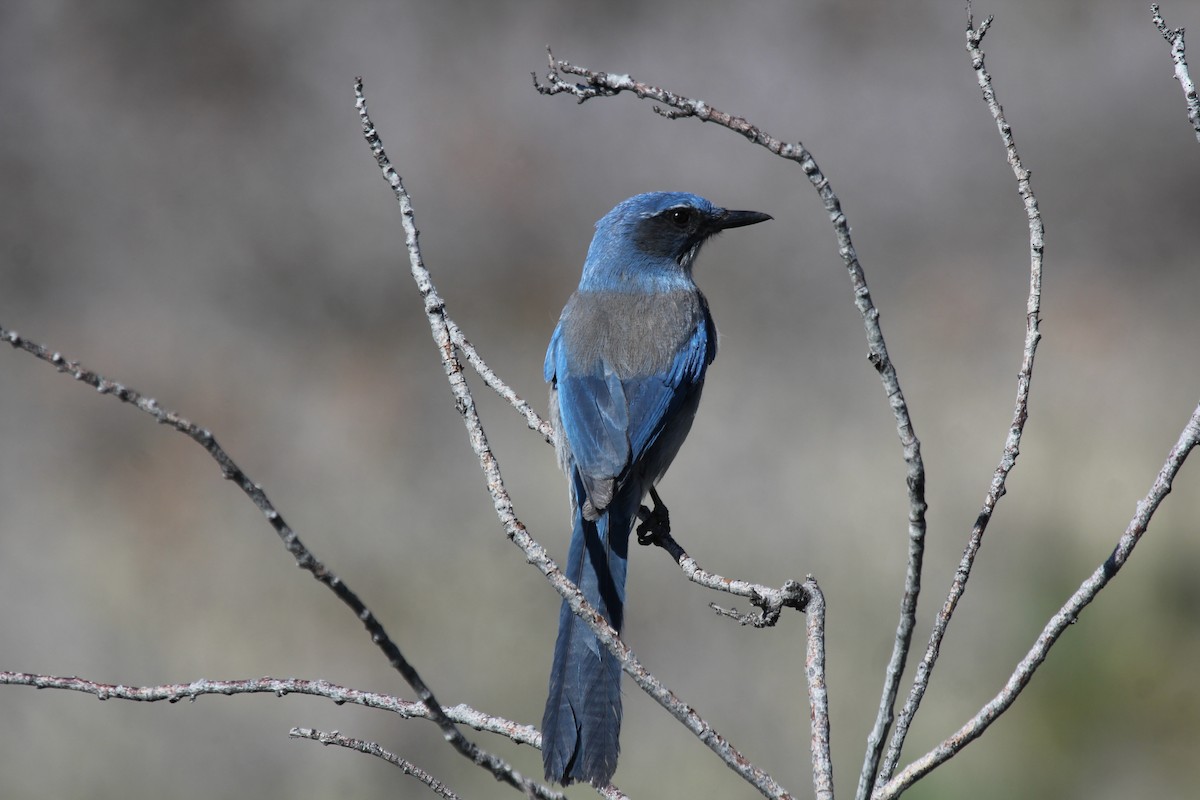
(1012, 443)
(304, 558)
(535, 554)
(280, 687)
(818, 696)
(1066, 616)
(603, 84)
(771, 602)
(493, 381)
(1174, 37)
(373, 749)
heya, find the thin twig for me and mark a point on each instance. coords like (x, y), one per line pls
(770, 601)
(373, 749)
(604, 84)
(1012, 443)
(818, 695)
(1174, 37)
(535, 554)
(280, 687)
(1068, 614)
(304, 558)
(494, 382)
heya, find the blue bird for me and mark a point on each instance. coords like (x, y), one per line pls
(625, 366)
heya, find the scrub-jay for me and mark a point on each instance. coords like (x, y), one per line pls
(625, 366)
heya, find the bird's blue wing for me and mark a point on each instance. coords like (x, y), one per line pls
(593, 412)
(655, 400)
(611, 422)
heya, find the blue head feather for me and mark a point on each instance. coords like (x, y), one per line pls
(649, 242)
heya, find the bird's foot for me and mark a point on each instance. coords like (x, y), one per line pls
(655, 523)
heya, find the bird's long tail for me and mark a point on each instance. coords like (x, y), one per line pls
(583, 712)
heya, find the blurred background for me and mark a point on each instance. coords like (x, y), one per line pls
(189, 208)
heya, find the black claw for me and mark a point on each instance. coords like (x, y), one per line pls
(655, 522)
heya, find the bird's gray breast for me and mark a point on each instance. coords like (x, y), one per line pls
(630, 334)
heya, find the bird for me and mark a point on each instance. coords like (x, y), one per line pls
(626, 366)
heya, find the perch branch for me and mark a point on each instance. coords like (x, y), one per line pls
(771, 602)
(605, 84)
(535, 554)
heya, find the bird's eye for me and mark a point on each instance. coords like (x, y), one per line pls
(681, 217)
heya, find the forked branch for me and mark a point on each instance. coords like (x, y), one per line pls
(676, 106)
(291, 541)
(1012, 442)
(535, 554)
(1058, 624)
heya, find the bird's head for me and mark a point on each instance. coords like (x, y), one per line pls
(650, 241)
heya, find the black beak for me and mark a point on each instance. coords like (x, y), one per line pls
(739, 219)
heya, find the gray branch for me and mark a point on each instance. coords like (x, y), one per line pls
(604, 84)
(494, 382)
(280, 687)
(291, 541)
(373, 749)
(1012, 442)
(535, 554)
(818, 695)
(1058, 624)
(1174, 37)
(770, 601)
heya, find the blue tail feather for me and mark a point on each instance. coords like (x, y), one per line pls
(582, 722)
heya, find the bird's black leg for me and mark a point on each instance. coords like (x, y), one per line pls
(655, 523)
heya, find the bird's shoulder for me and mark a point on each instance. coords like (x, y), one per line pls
(632, 334)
